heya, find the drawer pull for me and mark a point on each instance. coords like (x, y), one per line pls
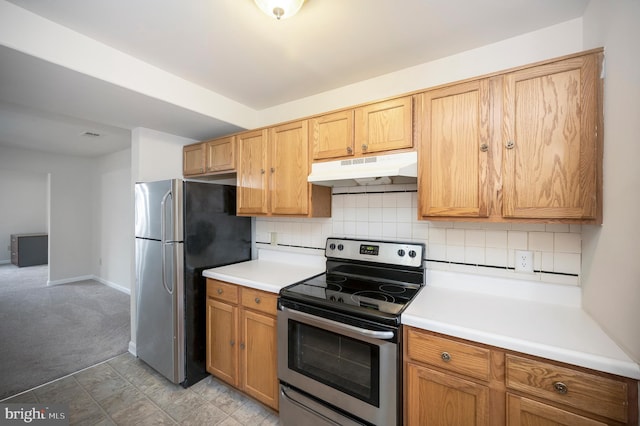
(219, 291)
(232, 342)
(241, 345)
(445, 356)
(561, 388)
(257, 300)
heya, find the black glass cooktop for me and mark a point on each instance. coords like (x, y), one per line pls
(353, 294)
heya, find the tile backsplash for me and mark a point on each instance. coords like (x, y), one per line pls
(390, 213)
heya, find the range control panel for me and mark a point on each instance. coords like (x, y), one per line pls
(393, 253)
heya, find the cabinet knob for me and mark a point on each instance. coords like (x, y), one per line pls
(273, 169)
(241, 345)
(445, 356)
(262, 171)
(219, 291)
(510, 144)
(257, 300)
(561, 388)
(484, 147)
(349, 150)
(364, 146)
(232, 342)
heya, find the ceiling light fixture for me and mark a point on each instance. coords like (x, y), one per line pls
(279, 9)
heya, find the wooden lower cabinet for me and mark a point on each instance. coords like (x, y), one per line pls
(222, 347)
(242, 340)
(527, 412)
(435, 398)
(451, 381)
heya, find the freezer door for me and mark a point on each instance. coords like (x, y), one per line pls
(159, 210)
(160, 307)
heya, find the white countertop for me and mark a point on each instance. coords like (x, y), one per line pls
(529, 320)
(271, 271)
(539, 319)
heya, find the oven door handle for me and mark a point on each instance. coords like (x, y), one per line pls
(358, 330)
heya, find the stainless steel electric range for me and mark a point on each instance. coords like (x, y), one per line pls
(339, 338)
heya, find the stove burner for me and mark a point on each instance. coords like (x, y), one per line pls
(334, 287)
(332, 278)
(372, 295)
(393, 289)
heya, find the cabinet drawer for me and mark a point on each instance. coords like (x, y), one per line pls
(589, 392)
(259, 300)
(222, 291)
(462, 358)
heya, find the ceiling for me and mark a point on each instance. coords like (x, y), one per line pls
(230, 48)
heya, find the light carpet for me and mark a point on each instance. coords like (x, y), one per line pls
(50, 332)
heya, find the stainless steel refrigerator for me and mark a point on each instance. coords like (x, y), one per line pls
(181, 228)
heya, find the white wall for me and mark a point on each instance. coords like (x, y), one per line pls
(156, 155)
(550, 42)
(113, 220)
(611, 270)
(71, 204)
(24, 206)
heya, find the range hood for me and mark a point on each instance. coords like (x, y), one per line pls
(379, 170)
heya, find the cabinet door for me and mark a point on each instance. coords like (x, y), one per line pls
(454, 167)
(220, 155)
(526, 412)
(551, 142)
(259, 357)
(252, 173)
(437, 399)
(222, 345)
(332, 135)
(384, 126)
(289, 169)
(193, 160)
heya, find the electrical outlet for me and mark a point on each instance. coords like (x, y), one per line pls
(524, 261)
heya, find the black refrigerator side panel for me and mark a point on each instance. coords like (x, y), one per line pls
(213, 236)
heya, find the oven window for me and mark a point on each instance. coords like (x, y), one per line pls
(346, 364)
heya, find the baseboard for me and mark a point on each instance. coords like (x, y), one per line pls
(132, 348)
(4, 262)
(70, 280)
(113, 285)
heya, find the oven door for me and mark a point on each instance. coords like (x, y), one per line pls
(349, 366)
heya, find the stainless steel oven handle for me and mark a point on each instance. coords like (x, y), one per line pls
(358, 330)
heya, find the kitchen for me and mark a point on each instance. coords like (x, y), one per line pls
(607, 269)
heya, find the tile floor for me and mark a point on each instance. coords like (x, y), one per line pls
(125, 391)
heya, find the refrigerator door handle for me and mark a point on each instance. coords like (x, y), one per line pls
(163, 240)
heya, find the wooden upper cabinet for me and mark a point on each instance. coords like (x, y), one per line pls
(289, 189)
(384, 126)
(220, 155)
(522, 146)
(454, 150)
(551, 140)
(273, 166)
(252, 173)
(332, 135)
(210, 157)
(193, 159)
